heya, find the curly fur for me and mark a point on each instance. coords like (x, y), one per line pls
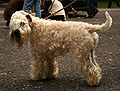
(50, 39)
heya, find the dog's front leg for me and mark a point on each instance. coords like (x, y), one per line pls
(43, 69)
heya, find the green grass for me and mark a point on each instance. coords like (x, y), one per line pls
(104, 4)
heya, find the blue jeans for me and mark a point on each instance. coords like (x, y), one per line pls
(28, 4)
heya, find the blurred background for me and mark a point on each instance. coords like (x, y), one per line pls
(101, 3)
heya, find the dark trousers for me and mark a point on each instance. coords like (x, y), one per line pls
(92, 7)
(110, 3)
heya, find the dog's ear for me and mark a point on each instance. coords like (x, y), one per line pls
(29, 18)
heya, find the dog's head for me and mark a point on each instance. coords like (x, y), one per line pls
(19, 27)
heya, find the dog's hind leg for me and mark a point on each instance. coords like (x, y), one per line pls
(92, 52)
(92, 57)
(90, 71)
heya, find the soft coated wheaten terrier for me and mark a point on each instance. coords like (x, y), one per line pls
(50, 39)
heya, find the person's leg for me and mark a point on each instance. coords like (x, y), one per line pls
(95, 7)
(27, 5)
(90, 10)
(117, 2)
(67, 9)
(95, 3)
(110, 4)
(37, 8)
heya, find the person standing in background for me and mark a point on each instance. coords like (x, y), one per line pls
(36, 3)
(52, 6)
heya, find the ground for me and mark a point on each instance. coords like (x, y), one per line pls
(14, 62)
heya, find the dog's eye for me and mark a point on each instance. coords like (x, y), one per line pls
(22, 23)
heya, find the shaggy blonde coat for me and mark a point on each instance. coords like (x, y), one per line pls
(50, 39)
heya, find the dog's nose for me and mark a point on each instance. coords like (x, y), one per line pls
(17, 33)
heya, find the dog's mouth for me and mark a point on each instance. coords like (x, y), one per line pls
(16, 36)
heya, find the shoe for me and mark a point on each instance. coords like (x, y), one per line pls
(96, 11)
(89, 16)
(7, 23)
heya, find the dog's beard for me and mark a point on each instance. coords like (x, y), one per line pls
(16, 36)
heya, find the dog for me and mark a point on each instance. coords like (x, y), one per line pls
(12, 7)
(50, 39)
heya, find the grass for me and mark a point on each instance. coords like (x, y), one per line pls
(104, 4)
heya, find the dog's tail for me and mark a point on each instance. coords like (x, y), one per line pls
(103, 27)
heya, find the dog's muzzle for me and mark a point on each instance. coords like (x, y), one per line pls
(16, 34)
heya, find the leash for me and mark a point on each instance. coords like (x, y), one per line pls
(51, 6)
(60, 10)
